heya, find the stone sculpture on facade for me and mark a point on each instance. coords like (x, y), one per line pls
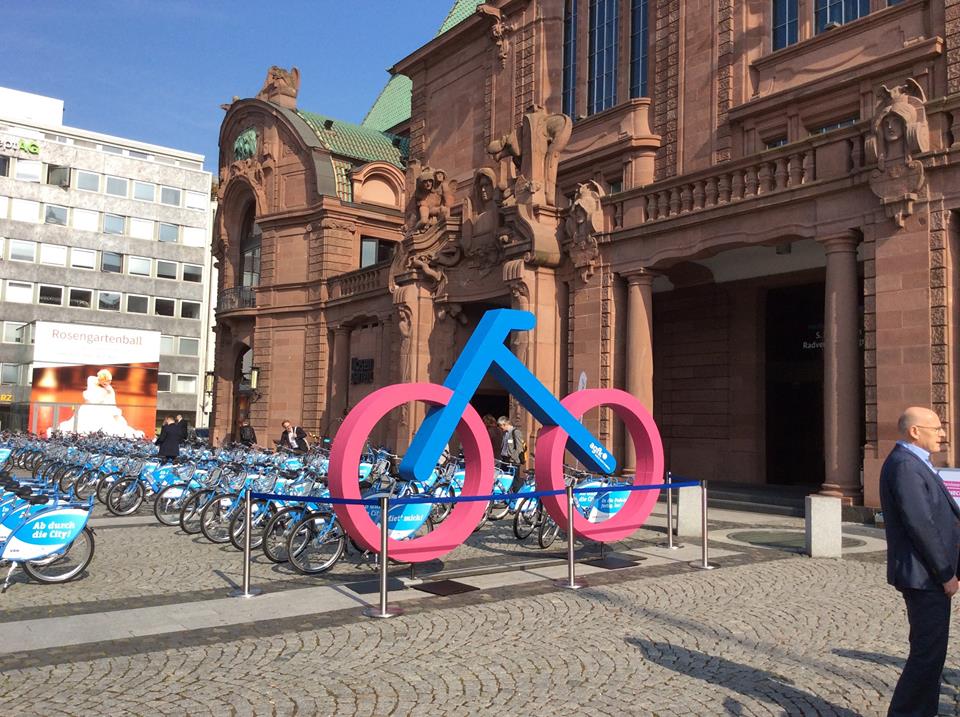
(432, 199)
(535, 151)
(281, 87)
(582, 225)
(899, 133)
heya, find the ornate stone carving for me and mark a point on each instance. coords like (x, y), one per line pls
(535, 152)
(481, 233)
(899, 132)
(499, 29)
(451, 310)
(432, 198)
(281, 87)
(245, 145)
(405, 363)
(583, 224)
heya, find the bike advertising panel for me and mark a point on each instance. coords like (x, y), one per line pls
(90, 379)
(42, 535)
(604, 517)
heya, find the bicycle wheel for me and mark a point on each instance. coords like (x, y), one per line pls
(169, 502)
(277, 532)
(259, 516)
(191, 510)
(216, 515)
(65, 564)
(498, 509)
(440, 511)
(86, 484)
(527, 518)
(105, 483)
(316, 543)
(125, 496)
(68, 478)
(548, 531)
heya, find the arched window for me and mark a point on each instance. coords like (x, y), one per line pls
(250, 251)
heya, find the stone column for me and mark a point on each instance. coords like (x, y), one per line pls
(639, 350)
(339, 378)
(841, 365)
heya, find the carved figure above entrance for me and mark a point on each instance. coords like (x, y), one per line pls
(535, 153)
(281, 87)
(432, 198)
(899, 132)
(582, 226)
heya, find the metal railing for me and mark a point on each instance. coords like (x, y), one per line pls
(239, 297)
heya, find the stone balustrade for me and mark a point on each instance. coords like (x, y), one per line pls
(371, 278)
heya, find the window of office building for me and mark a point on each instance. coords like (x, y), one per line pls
(194, 236)
(189, 310)
(108, 300)
(24, 210)
(4, 166)
(117, 186)
(141, 228)
(166, 269)
(81, 298)
(570, 58)
(10, 373)
(145, 191)
(784, 23)
(88, 181)
(58, 176)
(53, 254)
(23, 250)
(164, 307)
(55, 214)
(28, 170)
(51, 295)
(169, 232)
(189, 347)
(170, 195)
(113, 224)
(137, 304)
(85, 220)
(250, 251)
(12, 333)
(83, 258)
(197, 200)
(830, 13)
(639, 41)
(163, 382)
(166, 345)
(192, 272)
(139, 265)
(111, 262)
(19, 292)
(186, 383)
(602, 85)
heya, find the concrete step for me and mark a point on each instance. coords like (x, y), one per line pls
(752, 506)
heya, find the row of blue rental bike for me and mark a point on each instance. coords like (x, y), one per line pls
(204, 494)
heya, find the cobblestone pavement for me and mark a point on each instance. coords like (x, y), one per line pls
(785, 636)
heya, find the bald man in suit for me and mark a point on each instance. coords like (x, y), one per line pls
(923, 551)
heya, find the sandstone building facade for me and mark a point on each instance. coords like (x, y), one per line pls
(741, 213)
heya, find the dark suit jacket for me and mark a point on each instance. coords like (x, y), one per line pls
(182, 427)
(922, 523)
(169, 440)
(301, 438)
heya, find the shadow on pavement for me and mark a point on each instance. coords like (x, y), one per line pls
(760, 685)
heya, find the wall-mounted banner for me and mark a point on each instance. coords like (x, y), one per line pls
(89, 379)
(18, 145)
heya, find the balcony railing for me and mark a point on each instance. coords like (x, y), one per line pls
(239, 297)
(361, 281)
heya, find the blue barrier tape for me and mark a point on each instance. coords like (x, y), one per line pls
(418, 499)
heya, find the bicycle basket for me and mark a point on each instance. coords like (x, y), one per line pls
(235, 481)
(264, 483)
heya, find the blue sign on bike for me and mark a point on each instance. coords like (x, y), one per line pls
(45, 534)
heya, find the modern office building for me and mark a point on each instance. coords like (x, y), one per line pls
(101, 230)
(745, 215)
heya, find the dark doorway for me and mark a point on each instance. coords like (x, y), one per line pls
(496, 404)
(794, 385)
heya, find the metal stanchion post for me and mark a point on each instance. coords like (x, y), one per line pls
(383, 610)
(704, 563)
(671, 522)
(247, 591)
(571, 582)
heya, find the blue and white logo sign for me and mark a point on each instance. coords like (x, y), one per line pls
(45, 534)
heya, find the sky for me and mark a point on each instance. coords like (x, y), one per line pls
(158, 70)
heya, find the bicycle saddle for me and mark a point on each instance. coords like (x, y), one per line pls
(38, 499)
(23, 492)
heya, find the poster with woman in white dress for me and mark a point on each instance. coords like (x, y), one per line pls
(99, 412)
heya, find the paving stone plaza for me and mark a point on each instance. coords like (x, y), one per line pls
(149, 630)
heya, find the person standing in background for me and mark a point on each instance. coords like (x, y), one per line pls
(168, 441)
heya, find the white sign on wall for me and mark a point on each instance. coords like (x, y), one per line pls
(76, 344)
(951, 479)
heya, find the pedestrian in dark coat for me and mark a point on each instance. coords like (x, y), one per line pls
(169, 440)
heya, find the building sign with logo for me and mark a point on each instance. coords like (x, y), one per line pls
(18, 145)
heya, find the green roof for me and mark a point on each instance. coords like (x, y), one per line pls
(392, 106)
(461, 10)
(352, 141)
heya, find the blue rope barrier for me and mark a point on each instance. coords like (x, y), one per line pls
(418, 499)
